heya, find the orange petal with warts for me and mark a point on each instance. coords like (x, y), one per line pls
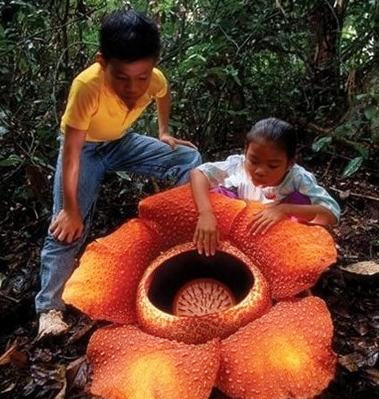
(285, 354)
(129, 364)
(175, 214)
(291, 255)
(104, 285)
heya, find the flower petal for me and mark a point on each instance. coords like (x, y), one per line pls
(291, 255)
(130, 364)
(285, 354)
(175, 214)
(104, 285)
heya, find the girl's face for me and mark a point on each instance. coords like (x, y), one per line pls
(266, 163)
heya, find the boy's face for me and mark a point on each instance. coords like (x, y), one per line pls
(129, 80)
(266, 163)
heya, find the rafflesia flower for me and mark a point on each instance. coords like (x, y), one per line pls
(184, 323)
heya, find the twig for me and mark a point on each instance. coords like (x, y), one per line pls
(277, 3)
(328, 166)
(370, 197)
(9, 298)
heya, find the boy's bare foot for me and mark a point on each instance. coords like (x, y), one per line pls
(51, 323)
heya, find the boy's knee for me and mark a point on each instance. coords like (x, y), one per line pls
(195, 157)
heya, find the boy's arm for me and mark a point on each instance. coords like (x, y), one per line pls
(273, 214)
(164, 107)
(206, 235)
(68, 224)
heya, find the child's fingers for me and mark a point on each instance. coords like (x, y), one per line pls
(195, 236)
(77, 234)
(255, 223)
(70, 237)
(172, 143)
(257, 215)
(268, 227)
(261, 226)
(213, 242)
(189, 144)
(57, 232)
(53, 226)
(61, 235)
(186, 142)
(207, 243)
(199, 242)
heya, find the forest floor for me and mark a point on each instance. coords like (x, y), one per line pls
(56, 368)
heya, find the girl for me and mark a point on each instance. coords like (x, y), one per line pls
(267, 172)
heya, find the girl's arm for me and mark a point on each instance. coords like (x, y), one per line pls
(273, 214)
(313, 213)
(206, 235)
(68, 224)
(324, 209)
(163, 107)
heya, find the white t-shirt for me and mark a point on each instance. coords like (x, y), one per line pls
(232, 174)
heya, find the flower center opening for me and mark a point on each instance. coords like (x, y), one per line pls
(189, 284)
(202, 296)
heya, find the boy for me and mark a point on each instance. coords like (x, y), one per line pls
(104, 100)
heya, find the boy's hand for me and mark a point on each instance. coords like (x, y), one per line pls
(206, 235)
(267, 218)
(67, 226)
(173, 142)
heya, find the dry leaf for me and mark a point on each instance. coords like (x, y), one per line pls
(367, 268)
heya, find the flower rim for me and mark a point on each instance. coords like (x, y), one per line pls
(202, 328)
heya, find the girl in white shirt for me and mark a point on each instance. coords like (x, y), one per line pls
(267, 172)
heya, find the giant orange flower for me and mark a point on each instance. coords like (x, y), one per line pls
(184, 323)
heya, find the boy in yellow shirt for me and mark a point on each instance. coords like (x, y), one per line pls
(104, 101)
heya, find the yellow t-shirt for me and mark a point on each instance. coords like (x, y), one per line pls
(95, 108)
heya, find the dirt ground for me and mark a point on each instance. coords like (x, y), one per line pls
(57, 367)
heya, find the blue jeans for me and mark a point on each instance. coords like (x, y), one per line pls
(133, 153)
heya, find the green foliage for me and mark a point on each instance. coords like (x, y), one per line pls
(360, 131)
(229, 63)
(353, 166)
(321, 143)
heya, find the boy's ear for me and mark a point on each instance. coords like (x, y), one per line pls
(100, 59)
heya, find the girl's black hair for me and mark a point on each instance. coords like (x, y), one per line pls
(129, 36)
(278, 132)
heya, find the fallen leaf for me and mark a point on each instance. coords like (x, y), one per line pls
(373, 375)
(77, 373)
(14, 356)
(368, 268)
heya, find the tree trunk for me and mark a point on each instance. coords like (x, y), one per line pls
(326, 22)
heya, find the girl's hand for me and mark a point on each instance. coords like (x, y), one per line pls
(267, 218)
(206, 235)
(67, 226)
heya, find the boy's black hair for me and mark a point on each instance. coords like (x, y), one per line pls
(278, 132)
(129, 36)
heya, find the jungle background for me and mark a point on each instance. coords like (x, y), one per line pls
(229, 63)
